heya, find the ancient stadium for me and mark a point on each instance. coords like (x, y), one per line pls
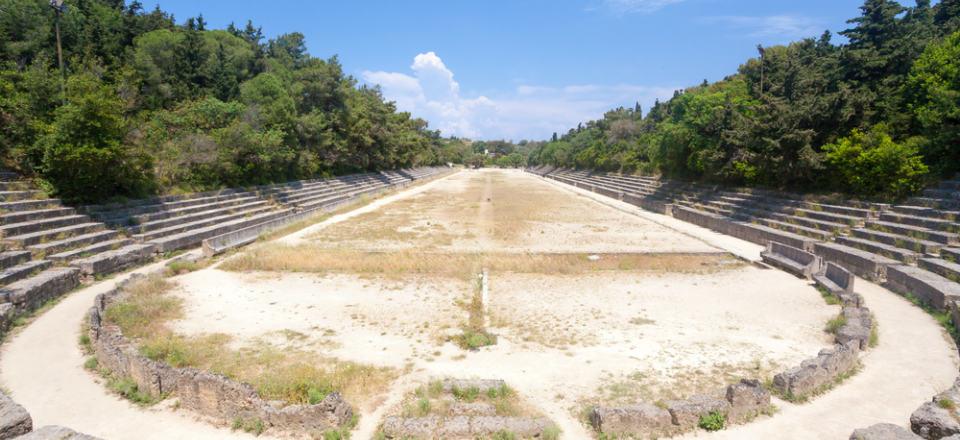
(479, 303)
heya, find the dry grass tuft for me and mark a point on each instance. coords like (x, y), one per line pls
(277, 373)
(313, 259)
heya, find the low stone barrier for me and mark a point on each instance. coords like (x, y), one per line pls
(207, 393)
(815, 375)
(16, 423)
(466, 419)
(740, 403)
(242, 237)
(790, 259)
(858, 327)
(937, 418)
(883, 431)
(929, 287)
(649, 203)
(868, 265)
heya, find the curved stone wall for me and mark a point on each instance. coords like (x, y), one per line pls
(207, 393)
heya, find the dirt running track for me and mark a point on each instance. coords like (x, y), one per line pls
(41, 366)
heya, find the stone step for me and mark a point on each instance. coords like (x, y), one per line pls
(858, 213)
(937, 193)
(23, 270)
(31, 293)
(194, 216)
(920, 221)
(901, 241)
(39, 214)
(114, 260)
(935, 203)
(796, 229)
(924, 211)
(176, 229)
(831, 217)
(38, 225)
(889, 251)
(929, 287)
(122, 215)
(915, 231)
(141, 219)
(59, 246)
(13, 196)
(812, 223)
(952, 254)
(56, 234)
(195, 237)
(89, 250)
(12, 258)
(28, 205)
(947, 269)
(953, 185)
(15, 185)
(865, 264)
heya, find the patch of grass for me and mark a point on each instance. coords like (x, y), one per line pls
(713, 421)
(551, 432)
(874, 333)
(942, 316)
(144, 308)
(829, 297)
(504, 435)
(183, 266)
(85, 343)
(473, 339)
(129, 390)
(91, 364)
(311, 258)
(834, 325)
(946, 403)
(466, 394)
(251, 426)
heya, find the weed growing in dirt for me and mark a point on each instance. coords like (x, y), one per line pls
(252, 426)
(129, 390)
(834, 325)
(713, 421)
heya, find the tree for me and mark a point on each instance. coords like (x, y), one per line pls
(83, 156)
(872, 164)
(933, 91)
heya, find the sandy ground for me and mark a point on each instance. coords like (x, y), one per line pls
(500, 211)
(639, 319)
(42, 368)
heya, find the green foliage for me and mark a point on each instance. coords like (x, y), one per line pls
(885, 104)
(934, 90)
(129, 390)
(872, 164)
(252, 426)
(714, 421)
(834, 324)
(156, 107)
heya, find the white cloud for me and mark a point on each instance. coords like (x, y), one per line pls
(637, 6)
(782, 27)
(526, 112)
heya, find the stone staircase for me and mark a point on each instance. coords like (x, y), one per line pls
(920, 238)
(47, 247)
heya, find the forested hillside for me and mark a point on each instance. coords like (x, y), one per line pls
(876, 116)
(152, 106)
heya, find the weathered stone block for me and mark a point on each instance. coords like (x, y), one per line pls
(641, 419)
(686, 413)
(14, 420)
(883, 431)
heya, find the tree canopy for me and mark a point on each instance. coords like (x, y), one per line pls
(822, 113)
(154, 106)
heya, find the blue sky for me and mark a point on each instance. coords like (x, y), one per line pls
(491, 69)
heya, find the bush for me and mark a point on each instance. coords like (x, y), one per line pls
(714, 421)
(834, 325)
(872, 164)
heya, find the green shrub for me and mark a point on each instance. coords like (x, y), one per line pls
(252, 426)
(946, 403)
(714, 421)
(474, 339)
(873, 164)
(835, 324)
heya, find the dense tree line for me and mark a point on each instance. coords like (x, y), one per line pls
(150, 105)
(876, 116)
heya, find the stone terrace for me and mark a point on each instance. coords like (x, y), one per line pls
(913, 248)
(46, 247)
